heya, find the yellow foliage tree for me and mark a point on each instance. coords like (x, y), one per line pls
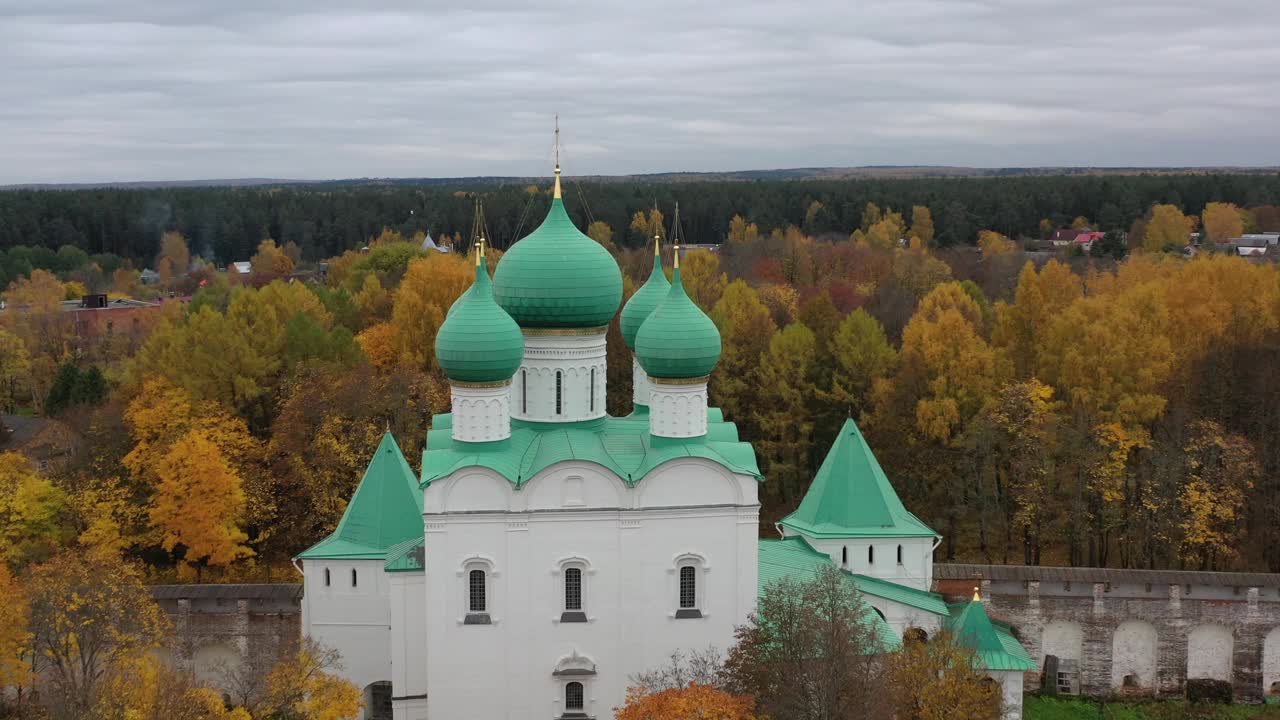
(742, 231)
(745, 328)
(143, 688)
(694, 702)
(90, 613)
(603, 234)
(375, 302)
(431, 284)
(993, 244)
(644, 225)
(174, 259)
(271, 260)
(1222, 221)
(939, 680)
(199, 502)
(922, 224)
(703, 280)
(379, 345)
(304, 686)
(15, 368)
(1167, 226)
(1221, 468)
(34, 514)
(917, 270)
(15, 638)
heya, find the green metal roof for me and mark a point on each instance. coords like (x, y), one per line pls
(994, 647)
(927, 601)
(644, 302)
(621, 445)
(796, 559)
(558, 277)
(678, 340)
(385, 510)
(479, 342)
(406, 556)
(851, 496)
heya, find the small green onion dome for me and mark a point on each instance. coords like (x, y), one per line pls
(644, 301)
(678, 340)
(556, 277)
(478, 342)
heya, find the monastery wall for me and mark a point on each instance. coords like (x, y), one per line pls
(221, 628)
(1139, 632)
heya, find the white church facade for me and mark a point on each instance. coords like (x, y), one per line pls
(547, 552)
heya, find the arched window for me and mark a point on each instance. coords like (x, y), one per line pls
(524, 392)
(688, 587)
(899, 554)
(593, 389)
(573, 588)
(558, 392)
(871, 554)
(477, 600)
(326, 577)
(844, 556)
(354, 579)
(574, 697)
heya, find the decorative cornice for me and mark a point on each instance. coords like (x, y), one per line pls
(680, 381)
(480, 385)
(563, 332)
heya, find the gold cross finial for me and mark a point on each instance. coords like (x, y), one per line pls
(977, 596)
(556, 192)
(657, 245)
(676, 261)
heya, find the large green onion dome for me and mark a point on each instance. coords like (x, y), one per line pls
(678, 340)
(478, 342)
(556, 277)
(645, 300)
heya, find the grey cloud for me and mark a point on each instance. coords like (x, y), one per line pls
(142, 89)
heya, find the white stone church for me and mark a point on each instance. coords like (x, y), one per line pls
(548, 553)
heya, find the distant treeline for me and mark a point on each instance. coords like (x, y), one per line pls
(326, 219)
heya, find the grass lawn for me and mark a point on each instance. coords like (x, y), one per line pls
(1043, 708)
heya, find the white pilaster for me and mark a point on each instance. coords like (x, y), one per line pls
(562, 376)
(481, 411)
(678, 408)
(639, 383)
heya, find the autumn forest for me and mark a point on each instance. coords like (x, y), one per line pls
(1038, 405)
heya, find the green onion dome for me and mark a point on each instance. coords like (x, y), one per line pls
(644, 301)
(478, 342)
(678, 340)
(556, 277)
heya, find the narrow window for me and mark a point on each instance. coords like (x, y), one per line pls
(476, 596)
(688, 587)
(524, 392)
(593, 390)
(844, 556)
(326, 577)
(871, 554)
(353, 577)
(557, 392)
(574, 697)
(573, 589)
(899, 554)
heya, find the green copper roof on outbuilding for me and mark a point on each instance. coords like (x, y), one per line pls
(902, 594)
(385, 510)
(556, 277)
(479, 342)
(678, 340)
(622, 445)
(851, 496)
(994, 647)
(796, 559)
(644, 301)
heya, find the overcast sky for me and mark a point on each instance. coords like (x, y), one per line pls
(97, 90)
